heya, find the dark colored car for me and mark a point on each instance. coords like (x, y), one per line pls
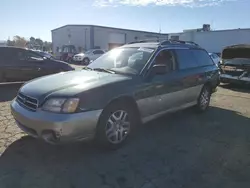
(235, 66)
(108, 99)
(18, 64)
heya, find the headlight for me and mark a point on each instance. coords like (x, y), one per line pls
(61, 105)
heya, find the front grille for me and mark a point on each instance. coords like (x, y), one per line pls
(27, 102)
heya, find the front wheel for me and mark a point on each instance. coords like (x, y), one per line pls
(86, 61)
(204, 99)
(115, 125)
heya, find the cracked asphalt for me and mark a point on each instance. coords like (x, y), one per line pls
(184, 149)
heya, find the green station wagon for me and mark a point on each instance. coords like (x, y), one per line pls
(125, 87)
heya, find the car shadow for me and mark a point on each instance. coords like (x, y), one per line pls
(8, 91)
(237, 87)
(183, 149)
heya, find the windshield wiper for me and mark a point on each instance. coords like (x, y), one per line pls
(104, 70)
(86, 68)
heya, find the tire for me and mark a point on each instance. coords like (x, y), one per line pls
(86, 61)
(111, 133)
(70, 60)
(204, 99)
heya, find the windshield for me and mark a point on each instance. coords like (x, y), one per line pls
(237, 61)
(45, 54)
(88, 52)
(124, 60)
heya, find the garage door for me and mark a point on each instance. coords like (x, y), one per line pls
(117, 38)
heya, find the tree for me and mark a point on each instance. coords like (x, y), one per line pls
(32, 40)
(10, 43)
(19, 41)
(39, 42)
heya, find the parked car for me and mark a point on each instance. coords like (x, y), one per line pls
(18, 64)
(88, 56)
(108, 99)
(46, 54)
(67, 53)
(215, 58)
(235, 67)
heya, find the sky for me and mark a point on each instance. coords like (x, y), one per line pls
(37, 18)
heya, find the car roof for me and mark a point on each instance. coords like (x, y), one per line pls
(14, 47)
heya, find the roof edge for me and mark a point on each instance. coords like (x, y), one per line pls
(106, 27)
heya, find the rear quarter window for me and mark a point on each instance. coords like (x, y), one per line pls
(202, 58)
(186, 59)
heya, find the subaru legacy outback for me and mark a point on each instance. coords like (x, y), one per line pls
(125, 87)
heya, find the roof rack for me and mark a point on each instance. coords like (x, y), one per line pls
(178, 42)
(164, 41)
(148, 40)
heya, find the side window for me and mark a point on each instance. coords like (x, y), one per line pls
(166, 57)
(203, 58)
(25, 55)
(33, 55)
(98, 52)
(186, 59)
(21, 55)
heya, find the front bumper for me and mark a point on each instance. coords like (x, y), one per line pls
(56, 128)
(225, 78)
(78, 58)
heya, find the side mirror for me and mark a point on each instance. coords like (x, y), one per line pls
(159, 69)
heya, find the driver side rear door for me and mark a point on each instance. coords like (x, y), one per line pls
(29, 64)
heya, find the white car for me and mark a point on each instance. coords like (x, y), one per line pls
(215, 58)
(88, 56)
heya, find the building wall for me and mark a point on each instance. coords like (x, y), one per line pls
(102, 36)
(96, 36)
(71, 35)
(215, 41)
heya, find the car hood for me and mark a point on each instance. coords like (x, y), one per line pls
(60, 64)
(68, 83)
(236, 51)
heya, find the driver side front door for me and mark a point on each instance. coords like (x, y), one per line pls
(161, 92)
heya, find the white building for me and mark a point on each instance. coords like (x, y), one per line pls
(214, 41)
(91, 36)
(3, 43)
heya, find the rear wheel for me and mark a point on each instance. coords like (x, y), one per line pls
(116, 124)
(204, 98)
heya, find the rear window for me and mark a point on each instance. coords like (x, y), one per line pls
(193, 58)
(186, 59)
(202, 58)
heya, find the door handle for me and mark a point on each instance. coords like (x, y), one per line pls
(38, 69)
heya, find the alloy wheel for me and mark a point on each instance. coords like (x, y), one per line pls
(117, 127)
(204, 99)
